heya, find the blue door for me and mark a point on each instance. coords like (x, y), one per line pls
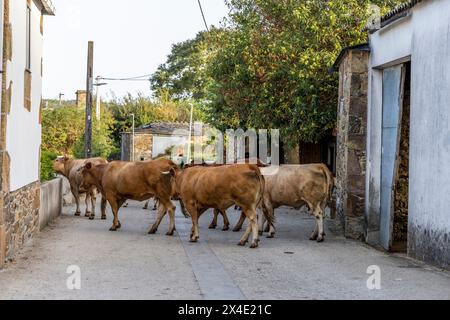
(393, 82)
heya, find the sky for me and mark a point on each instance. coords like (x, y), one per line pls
(131, 38)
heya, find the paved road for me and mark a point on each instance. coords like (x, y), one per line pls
(129, 264)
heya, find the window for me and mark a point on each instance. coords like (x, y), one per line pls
(28, 46)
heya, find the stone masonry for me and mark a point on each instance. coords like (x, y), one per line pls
(21, 209)
(351, 142)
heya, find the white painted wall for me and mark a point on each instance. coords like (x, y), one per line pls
(23, 130)
(425, 37)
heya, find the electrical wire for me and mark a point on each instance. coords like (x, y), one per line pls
(203, 15)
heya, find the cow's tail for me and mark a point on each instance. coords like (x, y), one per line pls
(330, 184)
(269, 217)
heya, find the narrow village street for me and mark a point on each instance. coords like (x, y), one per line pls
(130, 264)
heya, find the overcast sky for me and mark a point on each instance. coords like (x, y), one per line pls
(131, 38)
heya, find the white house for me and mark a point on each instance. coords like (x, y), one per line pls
(20, 128)
(406, 87)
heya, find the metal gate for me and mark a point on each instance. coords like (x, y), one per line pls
(393, 83)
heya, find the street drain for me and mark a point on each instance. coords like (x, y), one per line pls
(288, 252)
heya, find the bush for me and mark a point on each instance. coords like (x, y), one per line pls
(47, 172)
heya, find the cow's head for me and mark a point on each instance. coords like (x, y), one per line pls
(171, 177)
(59, 164)
(88, 177)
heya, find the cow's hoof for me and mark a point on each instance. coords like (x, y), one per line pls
(152, 231)
(260, 233)
(236, 229)
(103, 217)
(193, 240)
(254, 245)
(119, 225)
(225, 228)
(271, 236)
(169, 233)
(320, 239)
(113, 229)
(313, 237)
(91, 217)
(212, 226)
(77, 214)
(242, 243)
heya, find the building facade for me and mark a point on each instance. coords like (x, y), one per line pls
(407, 177)
(22, 28)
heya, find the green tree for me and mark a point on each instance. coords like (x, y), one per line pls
(271, 67)
(183, 75)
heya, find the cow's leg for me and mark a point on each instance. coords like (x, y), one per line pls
(192, 209)
(170, 208)
(103, 208)
(226, 223)
(146, 205)
(251, 228)
(115, 209)
(195, 236)
(161, 213)
(315, 233)
(238, 226)
(87, 213)
(261, 223)
(156, 204)
(93, 201)
(268, 210)
(76, 195)
(213, 224)
(318, 213)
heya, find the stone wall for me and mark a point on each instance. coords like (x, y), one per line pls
(143, 147)
(21, 209)
(351, 143)
(143, 143)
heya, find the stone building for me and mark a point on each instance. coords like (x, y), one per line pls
(20, 129)
(403, 78)
(159, 139)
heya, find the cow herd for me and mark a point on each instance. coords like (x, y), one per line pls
(202, 187)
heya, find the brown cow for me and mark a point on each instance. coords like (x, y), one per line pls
(201, 188)
(119, 181)
(70, 168)
(296, 186)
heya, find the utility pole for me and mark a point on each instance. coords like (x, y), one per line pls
(89, 89)
(97, 104)
(132, 141)
(60, 98)
(190, 135)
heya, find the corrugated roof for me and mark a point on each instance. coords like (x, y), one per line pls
(163, 127)
(168, 128)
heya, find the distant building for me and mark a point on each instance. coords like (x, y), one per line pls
(22, 30)
(158, 139)
(393, 170)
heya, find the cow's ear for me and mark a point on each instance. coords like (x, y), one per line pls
(173, 172)
(88, 166)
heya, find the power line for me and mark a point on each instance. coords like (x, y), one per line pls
(203, 14)
(137, 78)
